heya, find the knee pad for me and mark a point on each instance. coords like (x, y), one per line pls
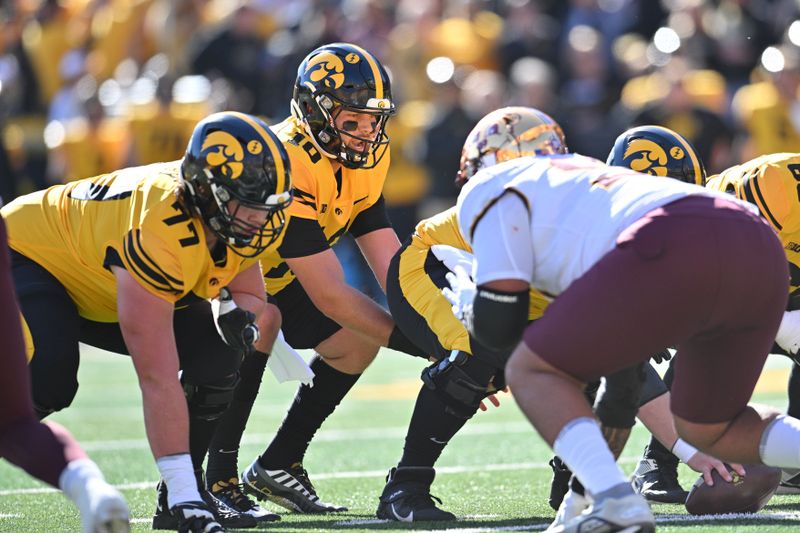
(457, 385)
(210, 400)
(653, 386)
(618, 398)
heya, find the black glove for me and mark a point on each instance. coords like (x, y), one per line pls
(236, 325)
(660, 357)
(195, 517)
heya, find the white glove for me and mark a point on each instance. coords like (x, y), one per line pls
(788, 336)
(288, 365)
(453, 257)
(461, 294)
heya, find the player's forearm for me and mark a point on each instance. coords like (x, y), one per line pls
(166, 417)
(352, 309)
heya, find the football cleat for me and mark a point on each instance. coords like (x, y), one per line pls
(195, 517)
(559, 485)
(289, 488)
(571, 506)
(630, 514)
(227, 517)
(103, 510)
(407, 498)
(230, 493)
(790, 482)
(656, 478)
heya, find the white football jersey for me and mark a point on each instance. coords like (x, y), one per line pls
(576, 206)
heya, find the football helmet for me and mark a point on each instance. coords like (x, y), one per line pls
(658, 151)
(234, 161)
(336, 77)
(508, 133)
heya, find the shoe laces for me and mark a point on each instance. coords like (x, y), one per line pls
(301, 475)
(421, 500)
(232, 491)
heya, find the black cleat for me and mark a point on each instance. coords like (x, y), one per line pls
(230, 493)
(195, 517)
(656, 478)
(289, 488)
(407, 498)
(227, 517)
(560, 482)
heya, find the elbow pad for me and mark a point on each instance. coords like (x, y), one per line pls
(499, 318)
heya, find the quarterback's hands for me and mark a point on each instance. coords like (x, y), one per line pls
(705, 464)
(493, 399)
(788, 336)
(236, 325)
(452, 257)
(461, 294)
(195, 517)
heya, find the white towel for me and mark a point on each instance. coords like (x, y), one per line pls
(287, 364)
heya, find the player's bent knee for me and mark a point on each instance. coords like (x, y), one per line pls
(460, 382)
(210, 400)
(269, 321)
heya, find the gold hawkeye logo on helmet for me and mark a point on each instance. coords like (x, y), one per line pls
(326, 68)
(652, 159)
(221, 149)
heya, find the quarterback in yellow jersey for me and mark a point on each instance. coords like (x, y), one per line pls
(339, 153)
(127, 261)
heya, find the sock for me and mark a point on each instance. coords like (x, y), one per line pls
(430, 430)
(311, 406)
(179, 476)
(581, 445)
(778, 445)
(223, 453)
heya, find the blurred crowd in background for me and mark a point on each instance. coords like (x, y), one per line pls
(87, 86)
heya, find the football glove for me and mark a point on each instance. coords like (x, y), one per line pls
(234, 324)
(195, 517)
(461, 295)
(452, 257)
(788, 336)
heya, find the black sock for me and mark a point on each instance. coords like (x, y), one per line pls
(311, 406)
(430, 430)
(223, 453)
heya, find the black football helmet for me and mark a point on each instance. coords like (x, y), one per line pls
(336, 77)
(235, 157)
(508, 133)
(658, 151)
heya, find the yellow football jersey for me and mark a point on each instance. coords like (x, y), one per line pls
(443, 229)
(131, 218)
(772, 183)
(332, 200)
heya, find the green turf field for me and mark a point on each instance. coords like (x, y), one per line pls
(494, 475)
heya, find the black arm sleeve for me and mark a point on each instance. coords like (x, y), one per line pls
(499, 318)
(372, 218)
(303, 237)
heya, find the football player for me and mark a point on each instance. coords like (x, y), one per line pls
(127, 262)
(46, 451)
(594, 237)
(339, 152)
(465, 372)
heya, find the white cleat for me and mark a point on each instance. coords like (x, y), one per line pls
(629, 514)
(103, 510)
(571, 506)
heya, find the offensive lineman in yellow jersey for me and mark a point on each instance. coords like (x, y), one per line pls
(126, 261)
(339, 154)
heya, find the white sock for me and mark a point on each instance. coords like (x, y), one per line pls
(75, 476)
(97, 501)
(178, 474)
(780, 443)
(581, 445)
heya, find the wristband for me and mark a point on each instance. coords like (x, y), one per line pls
(683, 450)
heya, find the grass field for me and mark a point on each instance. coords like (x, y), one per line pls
(494, 475)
